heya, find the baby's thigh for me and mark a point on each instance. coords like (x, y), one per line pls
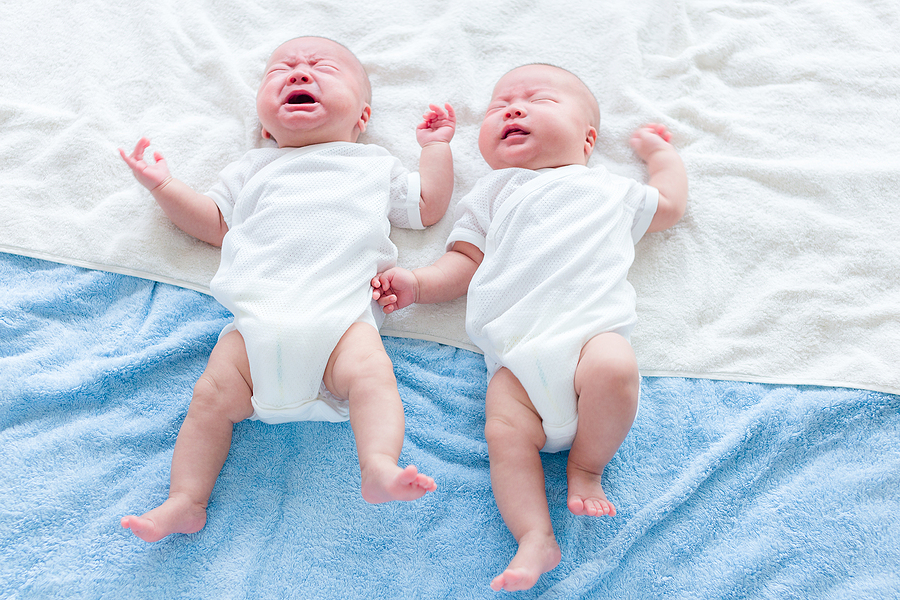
(358, 357)
(510, 412)
(225, 385)
(607, 360)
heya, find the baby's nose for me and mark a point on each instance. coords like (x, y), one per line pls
(300, 76)
(514, 112)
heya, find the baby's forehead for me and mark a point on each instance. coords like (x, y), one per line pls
(307, 48)
(537, 77)
(313, 49)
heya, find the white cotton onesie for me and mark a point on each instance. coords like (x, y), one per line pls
(307, 230)
(557, 246)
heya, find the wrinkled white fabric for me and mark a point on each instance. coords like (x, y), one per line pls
(783, 269)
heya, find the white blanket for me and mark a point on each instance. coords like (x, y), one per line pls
(787, 116)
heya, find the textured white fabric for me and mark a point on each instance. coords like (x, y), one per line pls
(784, 268)
(308, 229)
(558, 245)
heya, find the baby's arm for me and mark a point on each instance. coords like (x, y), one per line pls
(667, 173)
(194, 213)
(448, 278)
(436, 162)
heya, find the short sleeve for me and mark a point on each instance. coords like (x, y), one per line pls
(477, 209)
(406, 194)
(467, 228)
(473, 213)
(225, 191)
(644, 212)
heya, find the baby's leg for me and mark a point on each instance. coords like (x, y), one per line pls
(515, 437)
(361, 371)
(607, 384)
(221, 399)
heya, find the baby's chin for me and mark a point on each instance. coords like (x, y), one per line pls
(299, 138)
(533, 165)
(525, 157)
(510, 160)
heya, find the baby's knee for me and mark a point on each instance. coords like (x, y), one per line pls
(503, 431)
(498, 430)
(621, 373)
(616, 374)
(206, 391)
(210, 397)
(358, 359)
(376, 367)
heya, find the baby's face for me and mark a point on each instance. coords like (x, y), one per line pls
(313, 91)
(539, 116)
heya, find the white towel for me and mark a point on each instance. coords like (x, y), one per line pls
(786, 114)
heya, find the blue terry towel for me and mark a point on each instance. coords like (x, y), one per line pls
(723, 489)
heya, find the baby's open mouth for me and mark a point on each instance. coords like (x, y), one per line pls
(511, 131)
(300, 98)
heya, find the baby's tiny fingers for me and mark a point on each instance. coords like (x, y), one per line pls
(661, 130)
(139, 148)
(387, 300)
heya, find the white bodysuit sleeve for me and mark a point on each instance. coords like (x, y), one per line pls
(644, 213)
(406, 194)
(473, 213)
(226, 190)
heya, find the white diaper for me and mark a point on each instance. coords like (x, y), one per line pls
(548, 377)
(557, 408)
(280, 396)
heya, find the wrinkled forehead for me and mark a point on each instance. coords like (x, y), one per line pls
(311, 47)
(306, 47)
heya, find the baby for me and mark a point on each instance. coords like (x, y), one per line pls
(303, 228)
(543, 245)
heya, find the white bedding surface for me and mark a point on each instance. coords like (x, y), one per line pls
(784, 268)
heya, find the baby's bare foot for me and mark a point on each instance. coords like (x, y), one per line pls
(387, 482)
(178, 514)
(537, 554)
(586, 496)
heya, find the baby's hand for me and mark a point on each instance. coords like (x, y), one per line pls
(395, 289)
(650, 138)
(438, 125)
(151, 176)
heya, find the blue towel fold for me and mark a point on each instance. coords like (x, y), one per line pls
(723, 489)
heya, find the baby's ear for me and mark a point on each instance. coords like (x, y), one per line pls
(364, 118)
(589, 141)
(266, 135)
